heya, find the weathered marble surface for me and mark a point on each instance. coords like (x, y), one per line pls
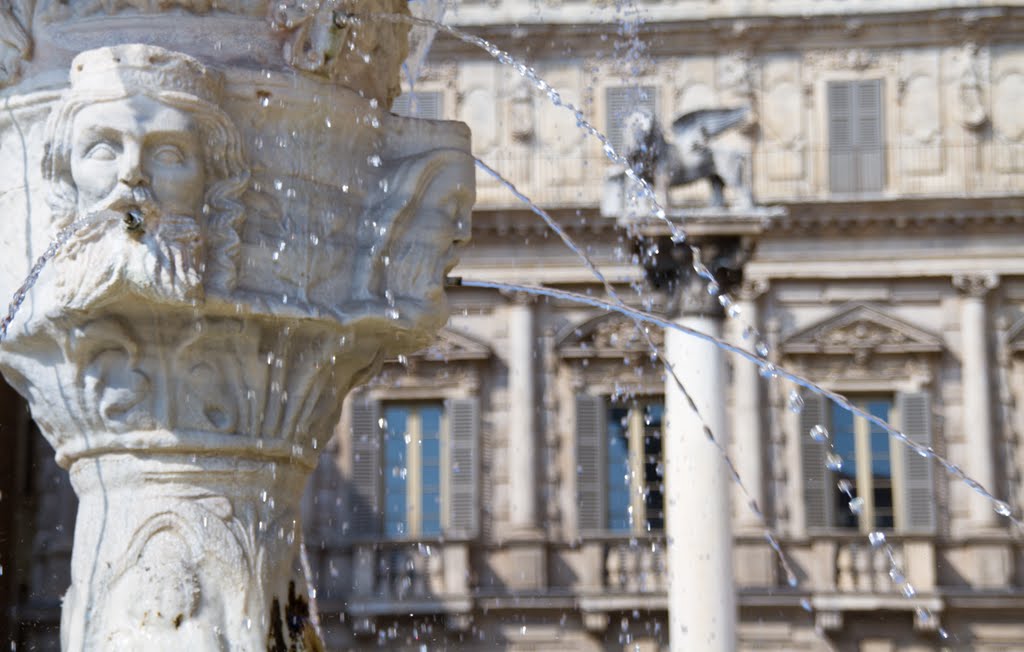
(261, 237)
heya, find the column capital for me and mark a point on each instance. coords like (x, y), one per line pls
(751, 289)
(674, 266)
(976, 285)
(519, 298)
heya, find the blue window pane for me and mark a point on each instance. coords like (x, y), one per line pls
(395, 472)
(618, 470)
(881, 464)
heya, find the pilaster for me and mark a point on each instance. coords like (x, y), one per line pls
(978, 427)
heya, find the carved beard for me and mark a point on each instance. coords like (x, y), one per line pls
(104, 260)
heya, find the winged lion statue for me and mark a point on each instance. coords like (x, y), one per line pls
(690, 154)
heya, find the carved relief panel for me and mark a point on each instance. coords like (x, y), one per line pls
(920, 143)
(1007, 99)
(783, 121)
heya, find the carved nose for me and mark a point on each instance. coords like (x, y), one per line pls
(131, 172)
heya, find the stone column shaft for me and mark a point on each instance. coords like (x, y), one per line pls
(979, 462)
(702, 598)
(522, 436)
(748, 444)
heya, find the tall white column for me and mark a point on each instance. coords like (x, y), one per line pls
(522, 435)
(979, 461)
(748, 445)
(701, 595)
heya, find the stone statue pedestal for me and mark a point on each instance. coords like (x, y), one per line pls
(256, 233)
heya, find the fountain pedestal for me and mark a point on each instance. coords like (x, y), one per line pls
(250, 243)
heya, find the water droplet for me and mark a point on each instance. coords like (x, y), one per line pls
(857, 505)
(833, 461)
(762, 349)
(374, 160)
(796, 402)
(713, 288)
(1003, 508)
(896, 576)
(908, 590)
(845, 486)
(819, 433)
(805, 604)
(876, 538)
(264, 101)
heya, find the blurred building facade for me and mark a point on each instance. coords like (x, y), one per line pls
(503, 489)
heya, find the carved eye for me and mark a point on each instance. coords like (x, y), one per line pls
(169, 155)
(101, 152)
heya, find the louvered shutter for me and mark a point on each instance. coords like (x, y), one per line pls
(620, 101)
(918, 486)
(428, 105)
(463, 467)
(842, 169)
(868, 130)
(816, 492)
(591, 435)
(367, 436)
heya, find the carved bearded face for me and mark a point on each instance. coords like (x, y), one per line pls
(136, 153)
(134, 143)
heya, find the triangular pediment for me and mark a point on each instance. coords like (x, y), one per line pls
(859, 329)
(607, 335)
(452, 345)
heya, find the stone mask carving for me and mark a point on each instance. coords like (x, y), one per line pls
(139, 135)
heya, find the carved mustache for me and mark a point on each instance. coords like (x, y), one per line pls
(135, 205)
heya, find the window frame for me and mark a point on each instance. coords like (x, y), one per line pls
(414, 494)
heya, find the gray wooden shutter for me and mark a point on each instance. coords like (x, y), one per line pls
(816, 492)
(870, 144)
(463, 467)
(367, 442)
(842, 169)
(918, 485)
(620, 101)
(591, 444)
(856, 136)
(428, 105)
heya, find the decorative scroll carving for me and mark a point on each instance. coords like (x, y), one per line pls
(973, 79)
(976, 285)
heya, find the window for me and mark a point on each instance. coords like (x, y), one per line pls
(420, 104)
(880, 483)
(620, 472)
(414, 468)
(865, 477)
(620, 101)
(855, 136)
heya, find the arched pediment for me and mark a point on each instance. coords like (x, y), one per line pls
(860, 330)
(607, 335)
